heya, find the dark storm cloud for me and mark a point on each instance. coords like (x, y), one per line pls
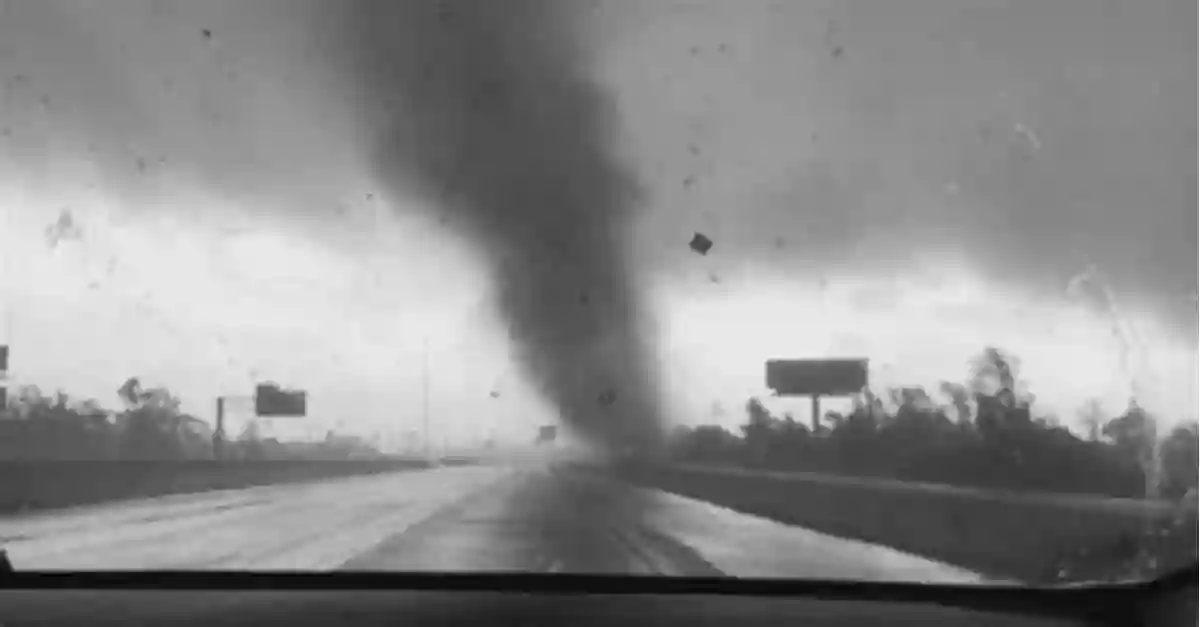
(157, 92)
(1031, 136)
(488, 107)
(1028, 136)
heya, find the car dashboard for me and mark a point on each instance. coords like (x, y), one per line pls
(530, 600)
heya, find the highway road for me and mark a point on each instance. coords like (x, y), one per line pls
(518, 517)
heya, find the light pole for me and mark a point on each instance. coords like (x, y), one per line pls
(218, 437)
(425, 391)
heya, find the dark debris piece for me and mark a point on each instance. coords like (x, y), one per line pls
(607, 397)
(63, 229)
(701, 244)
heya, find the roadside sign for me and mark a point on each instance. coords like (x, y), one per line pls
(272, 401)
(816, 377)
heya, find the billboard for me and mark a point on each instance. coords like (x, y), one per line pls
(271, 401)
(547, 434)
(816, 377)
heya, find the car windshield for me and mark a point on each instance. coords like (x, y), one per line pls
(889, 290)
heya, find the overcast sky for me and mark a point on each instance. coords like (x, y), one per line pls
(906, 181)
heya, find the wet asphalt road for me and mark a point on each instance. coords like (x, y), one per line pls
(539, 520)
(528, 517)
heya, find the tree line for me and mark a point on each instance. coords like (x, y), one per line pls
(983, 433)
(151, 427)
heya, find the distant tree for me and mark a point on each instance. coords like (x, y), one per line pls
(707, 444)
(252, 432)
(993, 370)
(1091, 415)
(249, 443)
(1049, 421)
(987, 435)
(788, 444)
(150, 424)
(1133, 432)
(833, 422)
(58, 427)
(757, 432)
(55, 428)
(194, 437)
(1179, 461)
(29, 402)
(865, 417)
(130, 391)
(61, 400)
(758, 414)
(29, 395)
(959, 400)
(90, 407)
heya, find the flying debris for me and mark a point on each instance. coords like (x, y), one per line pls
(64, 228)
(607, 397)
(1025, 132)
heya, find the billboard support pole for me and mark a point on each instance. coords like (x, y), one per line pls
(816, 413)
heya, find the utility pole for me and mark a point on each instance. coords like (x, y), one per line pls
(425, 391)
(218, 437)
(5, 342)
